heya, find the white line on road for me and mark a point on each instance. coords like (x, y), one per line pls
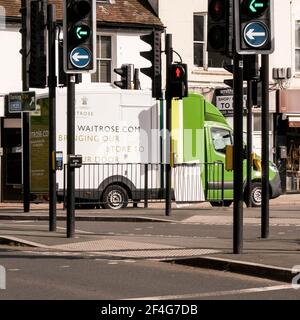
(217, 293)
(76, 230)
(13, 270)
(64, 266)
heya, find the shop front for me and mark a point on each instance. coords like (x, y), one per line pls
(287, 139)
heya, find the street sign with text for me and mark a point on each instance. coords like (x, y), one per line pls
(21, 102)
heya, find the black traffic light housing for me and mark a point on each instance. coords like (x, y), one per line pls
(178, 81)
(229, 67)
(154, 56)
(62, 76)
(125, 73)
(38, 60)
(254, 26)
(79, 36)
(25, 32)
(219, 26)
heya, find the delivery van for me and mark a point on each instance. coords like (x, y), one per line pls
(121, 138)
(194, 114)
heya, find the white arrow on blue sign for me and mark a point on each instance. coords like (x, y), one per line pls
(80, 57)
(256, 34)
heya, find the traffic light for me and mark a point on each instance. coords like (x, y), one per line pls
(219, 26)
(254, 26)
(229, 67)
(154, 56)
(125, 73)
(25, 32)
(80, 36)
(38, 60)
(178, 86)
(250, 71)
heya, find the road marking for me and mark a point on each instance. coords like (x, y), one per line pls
(24, 225)
(217, 293)
(13, 270)
(129, 261)
(76, 230)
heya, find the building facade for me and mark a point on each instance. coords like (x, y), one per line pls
(187, 22)
(119, 26)
(120, 23)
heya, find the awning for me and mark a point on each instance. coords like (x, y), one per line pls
(294, 120)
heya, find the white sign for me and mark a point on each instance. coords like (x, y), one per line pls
(225, 103)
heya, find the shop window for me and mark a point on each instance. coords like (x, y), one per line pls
(257, 122)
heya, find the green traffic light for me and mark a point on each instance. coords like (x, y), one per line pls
(254, 5)
(81, 32)
(256, 8)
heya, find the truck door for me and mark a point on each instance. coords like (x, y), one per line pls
(217, 139)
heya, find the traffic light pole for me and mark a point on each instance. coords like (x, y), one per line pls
(249, 142)
(265, 146)
(238, 154)
(168, 173)
(71, 151)
(52, 83)
(25, 115)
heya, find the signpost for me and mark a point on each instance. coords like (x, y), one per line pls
(254, 30)
(21, 102)
(223, 100)
(256, 34)
(80, 57)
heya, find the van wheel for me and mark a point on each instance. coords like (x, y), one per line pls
(226, 203)
(255, 194)
(115, 197)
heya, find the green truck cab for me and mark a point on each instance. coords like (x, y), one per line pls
(206, 135)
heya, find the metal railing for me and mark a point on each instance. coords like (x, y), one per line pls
(116, 185)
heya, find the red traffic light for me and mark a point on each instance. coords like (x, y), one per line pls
(178, 72)
(217, 9)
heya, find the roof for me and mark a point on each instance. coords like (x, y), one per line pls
(121, 12)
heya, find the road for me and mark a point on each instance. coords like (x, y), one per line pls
(33, 275)
(44, 274)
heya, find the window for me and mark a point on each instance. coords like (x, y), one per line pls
(257, 122)
(221, 138)
(104, 59)
(199, 43)
(297, 46)
(202, 58)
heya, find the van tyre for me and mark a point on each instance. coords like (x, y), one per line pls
(225, 203)
(115, 197)
(255, 194)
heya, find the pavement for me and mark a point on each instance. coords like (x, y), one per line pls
(273, 258)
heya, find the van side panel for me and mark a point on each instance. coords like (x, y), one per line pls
(193, 129)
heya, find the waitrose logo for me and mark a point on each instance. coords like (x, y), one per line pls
(108, 129)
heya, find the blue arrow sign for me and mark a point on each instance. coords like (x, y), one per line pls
(256, 34)
(80, 57)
